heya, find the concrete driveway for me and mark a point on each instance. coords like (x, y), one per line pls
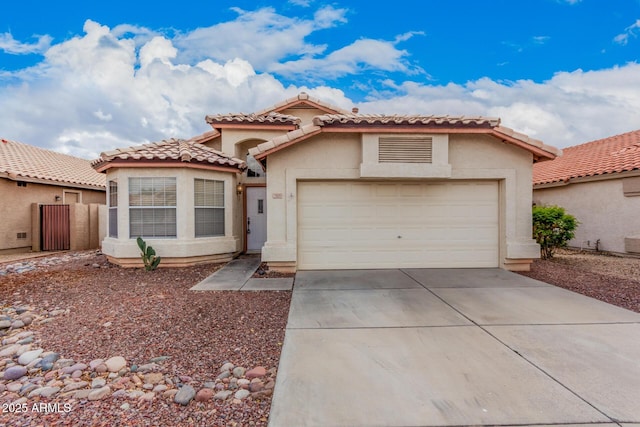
(453, 347)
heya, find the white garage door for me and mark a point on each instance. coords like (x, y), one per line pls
(343, 225)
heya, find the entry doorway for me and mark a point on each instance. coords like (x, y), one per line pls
(256, 224)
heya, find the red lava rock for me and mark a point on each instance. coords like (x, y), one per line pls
(204, 395)
(257, 372)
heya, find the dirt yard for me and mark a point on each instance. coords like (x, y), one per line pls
(105, 311)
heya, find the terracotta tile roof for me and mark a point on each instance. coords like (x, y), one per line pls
(618, 153)
(172, 150)
(303, 99)
(253, 118)
(378, 119)
(22, 162)
(385, 123)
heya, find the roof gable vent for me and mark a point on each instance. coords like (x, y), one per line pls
(405, 150)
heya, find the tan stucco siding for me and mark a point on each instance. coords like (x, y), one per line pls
(15, 209)
(339, 156)
(231, 137)
(602, 209)
(185, 245)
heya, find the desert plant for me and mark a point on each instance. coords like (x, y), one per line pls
(552, 228)
(148, 255)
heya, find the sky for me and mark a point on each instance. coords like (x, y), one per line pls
(83, 77)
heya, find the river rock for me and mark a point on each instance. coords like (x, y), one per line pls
(184, 395)
(115, 363)
(15, 372)
(29, 356)
(99, 393)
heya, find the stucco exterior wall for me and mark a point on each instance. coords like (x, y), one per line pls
(185, 248)
(339, 156)
(604, 212)
(16, 211)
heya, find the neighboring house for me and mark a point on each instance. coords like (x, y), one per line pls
(31, 177)
(311, 186)
(599, 183)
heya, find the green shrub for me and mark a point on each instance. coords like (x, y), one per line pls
(148, 255)
(552, 228)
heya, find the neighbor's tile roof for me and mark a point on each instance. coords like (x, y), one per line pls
(172, 150)
(253, 118)
(394, 123)
(618, 153)
(20, 162)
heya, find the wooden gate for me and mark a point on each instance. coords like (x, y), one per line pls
(55, 232)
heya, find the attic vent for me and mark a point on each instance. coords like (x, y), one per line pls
(404, 150)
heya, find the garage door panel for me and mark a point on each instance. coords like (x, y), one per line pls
(398, 224)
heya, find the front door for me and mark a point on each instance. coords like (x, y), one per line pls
(256, 218)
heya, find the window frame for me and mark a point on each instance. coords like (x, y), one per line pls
(112, 198)
(210, 208)
(150, 190)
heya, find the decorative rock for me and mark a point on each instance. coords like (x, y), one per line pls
(148, 397)
(27, 340)
(153, 378)
(159, 388)
(148, 386)
(257, 372)
(98, 382)
(227, 367)
(223, 395)
(159, 359)
(242, 382)
(101, 368)
(270, 384)
(10, 350)
(209, 384)
(125, 406)
(223, 375)
(15, 372)
(76, 374)
(147, 367)
(100, 393)
(204, 395)
(29, 356)
(82, 394)
(49, 391)
(257, 386)
(119, 393)
(184, 395)
(116, 363)
(14, 387)
(27, 320)
(241, 394)
(238, 372)
(47, 361)
(17, 324)
(135, 394)
(94, 363)
(75, 386)
(5, 324)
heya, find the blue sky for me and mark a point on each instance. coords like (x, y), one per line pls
(85, 77)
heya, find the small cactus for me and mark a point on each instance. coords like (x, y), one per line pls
(148, 255)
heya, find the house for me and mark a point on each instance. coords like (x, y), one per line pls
(312, 186)
(599, 183)
(34, 180)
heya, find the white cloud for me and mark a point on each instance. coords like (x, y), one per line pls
(568, 109)
(630, 31)
(262, 37)
(110, 88)
(12, 46)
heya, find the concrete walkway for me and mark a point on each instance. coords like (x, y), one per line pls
(236, 276)
(452, 348)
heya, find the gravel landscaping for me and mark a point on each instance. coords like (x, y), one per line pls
(609, 278)
(86, 343)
